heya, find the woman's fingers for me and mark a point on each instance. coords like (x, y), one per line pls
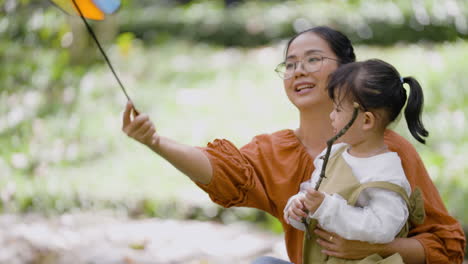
(143, 128)
(329, 241)
(133, 128)
(138, 126)
(328, 248)
(323, 234)
(135, 112)
(149, 133)
(126, 115)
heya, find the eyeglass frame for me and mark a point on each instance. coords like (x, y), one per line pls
(302, 64)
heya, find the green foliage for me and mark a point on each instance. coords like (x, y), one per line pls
(61, 144)
(254, 23)
(80, 159)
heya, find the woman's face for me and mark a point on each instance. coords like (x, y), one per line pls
(307, 89)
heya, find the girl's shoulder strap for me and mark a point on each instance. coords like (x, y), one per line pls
(415, 201)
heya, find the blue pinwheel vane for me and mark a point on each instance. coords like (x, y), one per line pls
(95, 10)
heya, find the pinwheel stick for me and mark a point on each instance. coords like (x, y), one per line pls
(327, 157)
(332, 140)
(93, 35)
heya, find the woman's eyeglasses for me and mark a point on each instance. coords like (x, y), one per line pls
(311, 63)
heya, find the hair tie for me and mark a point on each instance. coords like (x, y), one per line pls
(401, 80)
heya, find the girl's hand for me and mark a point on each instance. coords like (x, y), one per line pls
(296, 210)
(313, 199)
(139, 126)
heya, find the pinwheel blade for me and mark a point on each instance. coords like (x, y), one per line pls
(87, 7)
(107, 6)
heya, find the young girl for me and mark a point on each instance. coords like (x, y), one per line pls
(365, 195)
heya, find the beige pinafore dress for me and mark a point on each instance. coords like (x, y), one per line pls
(339, 179)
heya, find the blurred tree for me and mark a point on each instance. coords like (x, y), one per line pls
(232, 3)
(257, 22)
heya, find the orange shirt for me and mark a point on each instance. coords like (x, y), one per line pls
(266, 172)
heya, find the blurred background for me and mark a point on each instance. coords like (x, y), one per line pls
(202, 70)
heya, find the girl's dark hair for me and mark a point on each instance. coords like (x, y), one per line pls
(338, 42)
(375, 84)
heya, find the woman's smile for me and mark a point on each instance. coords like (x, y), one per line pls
(303, 87)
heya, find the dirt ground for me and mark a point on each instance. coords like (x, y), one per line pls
(104, 239)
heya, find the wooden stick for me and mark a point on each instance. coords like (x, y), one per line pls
(332, 140)
(327, 157)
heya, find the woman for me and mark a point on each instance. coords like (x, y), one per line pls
(267, 171)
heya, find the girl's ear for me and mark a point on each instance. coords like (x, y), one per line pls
(369, 121)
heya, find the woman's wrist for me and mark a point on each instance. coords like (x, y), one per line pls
(155, 145)
(410, 249)
(385, 250)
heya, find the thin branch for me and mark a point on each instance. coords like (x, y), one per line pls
(327, 157)
(332, 140)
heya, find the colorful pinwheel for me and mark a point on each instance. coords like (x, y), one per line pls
(92, 9)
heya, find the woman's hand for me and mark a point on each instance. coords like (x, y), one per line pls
(336, 246)
(189, 160)
(296, 210)
(139, 126)
(410, 249)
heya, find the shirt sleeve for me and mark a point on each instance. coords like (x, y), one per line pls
(378, 222)
(257, 175)
(233, 174)
(441, 235)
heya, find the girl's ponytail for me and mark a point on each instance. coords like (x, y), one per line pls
(414, 109)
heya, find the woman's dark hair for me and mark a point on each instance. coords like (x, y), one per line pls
(338, 42)
(375, 84)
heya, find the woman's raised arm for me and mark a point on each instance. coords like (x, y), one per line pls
(187, 159)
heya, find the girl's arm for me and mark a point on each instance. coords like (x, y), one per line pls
(377, 222)
(189, 160)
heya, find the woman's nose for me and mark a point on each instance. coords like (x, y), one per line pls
(299, 69)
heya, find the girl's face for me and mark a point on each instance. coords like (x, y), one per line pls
(306, 89)
(340, 116)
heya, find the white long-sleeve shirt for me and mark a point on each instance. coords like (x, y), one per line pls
(379, 214)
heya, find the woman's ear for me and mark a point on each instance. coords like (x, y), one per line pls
(369, 121)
